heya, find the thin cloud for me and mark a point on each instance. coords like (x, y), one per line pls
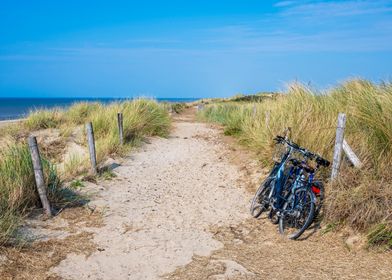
(334, 26)
(338, 8)
(284, 3)
(318, 26)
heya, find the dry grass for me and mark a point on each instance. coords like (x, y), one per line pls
(362, 199)
(34, 260)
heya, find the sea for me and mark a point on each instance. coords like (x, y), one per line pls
(17, 108)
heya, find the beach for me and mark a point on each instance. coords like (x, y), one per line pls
(8, 122)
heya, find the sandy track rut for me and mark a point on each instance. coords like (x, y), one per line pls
(160, 207)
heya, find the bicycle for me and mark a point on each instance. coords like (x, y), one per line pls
(305, 198)
(278, 188)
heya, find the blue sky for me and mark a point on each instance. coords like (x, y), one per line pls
(188, 49)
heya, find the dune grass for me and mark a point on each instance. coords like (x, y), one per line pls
(17, 187)
(362, 199)
(142, 117)
(42, 119)
(18, 195)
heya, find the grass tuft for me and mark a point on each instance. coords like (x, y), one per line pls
(381, 235)
(42, 119)
(18, 190)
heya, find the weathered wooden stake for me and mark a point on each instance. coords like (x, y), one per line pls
(267, 118)
(337, 155)
(39, 174)
(120, 127)
(91, 147)
(254, 111)
(351, 155)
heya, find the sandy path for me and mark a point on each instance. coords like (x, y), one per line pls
(160, 207)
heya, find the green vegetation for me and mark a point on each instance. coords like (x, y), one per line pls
(141, 118)
(178, 107)
(175, 107)
(362, 199)
(41, 119)
(381, 234)
(80, 112)
(17, 187)
(18, 195)
(77, 184)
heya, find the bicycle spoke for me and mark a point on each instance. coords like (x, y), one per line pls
(297, 214)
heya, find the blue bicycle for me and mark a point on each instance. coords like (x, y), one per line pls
(290, 192)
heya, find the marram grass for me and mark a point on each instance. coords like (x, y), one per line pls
(363, 198)
(17, 187)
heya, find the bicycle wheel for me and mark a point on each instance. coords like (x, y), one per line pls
(272, 215)
(297, 213)
(260, 201)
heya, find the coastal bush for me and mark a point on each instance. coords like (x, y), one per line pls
(362, 199)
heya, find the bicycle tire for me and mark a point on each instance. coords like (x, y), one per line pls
(259, 200)
(286, 219)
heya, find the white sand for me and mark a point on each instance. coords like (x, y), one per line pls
(160, 207)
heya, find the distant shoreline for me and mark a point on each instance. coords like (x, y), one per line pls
(7, 122)
(17, 108)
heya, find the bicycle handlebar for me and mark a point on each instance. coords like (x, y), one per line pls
(319, 160)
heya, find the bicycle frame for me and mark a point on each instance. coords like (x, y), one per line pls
(280, 180)
(300, 183)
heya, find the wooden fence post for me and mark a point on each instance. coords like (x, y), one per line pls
(39, 174)
(351, 155)
(120, 127)
(337, 155)
(254, 111)
(91, 147)
(267, 118)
